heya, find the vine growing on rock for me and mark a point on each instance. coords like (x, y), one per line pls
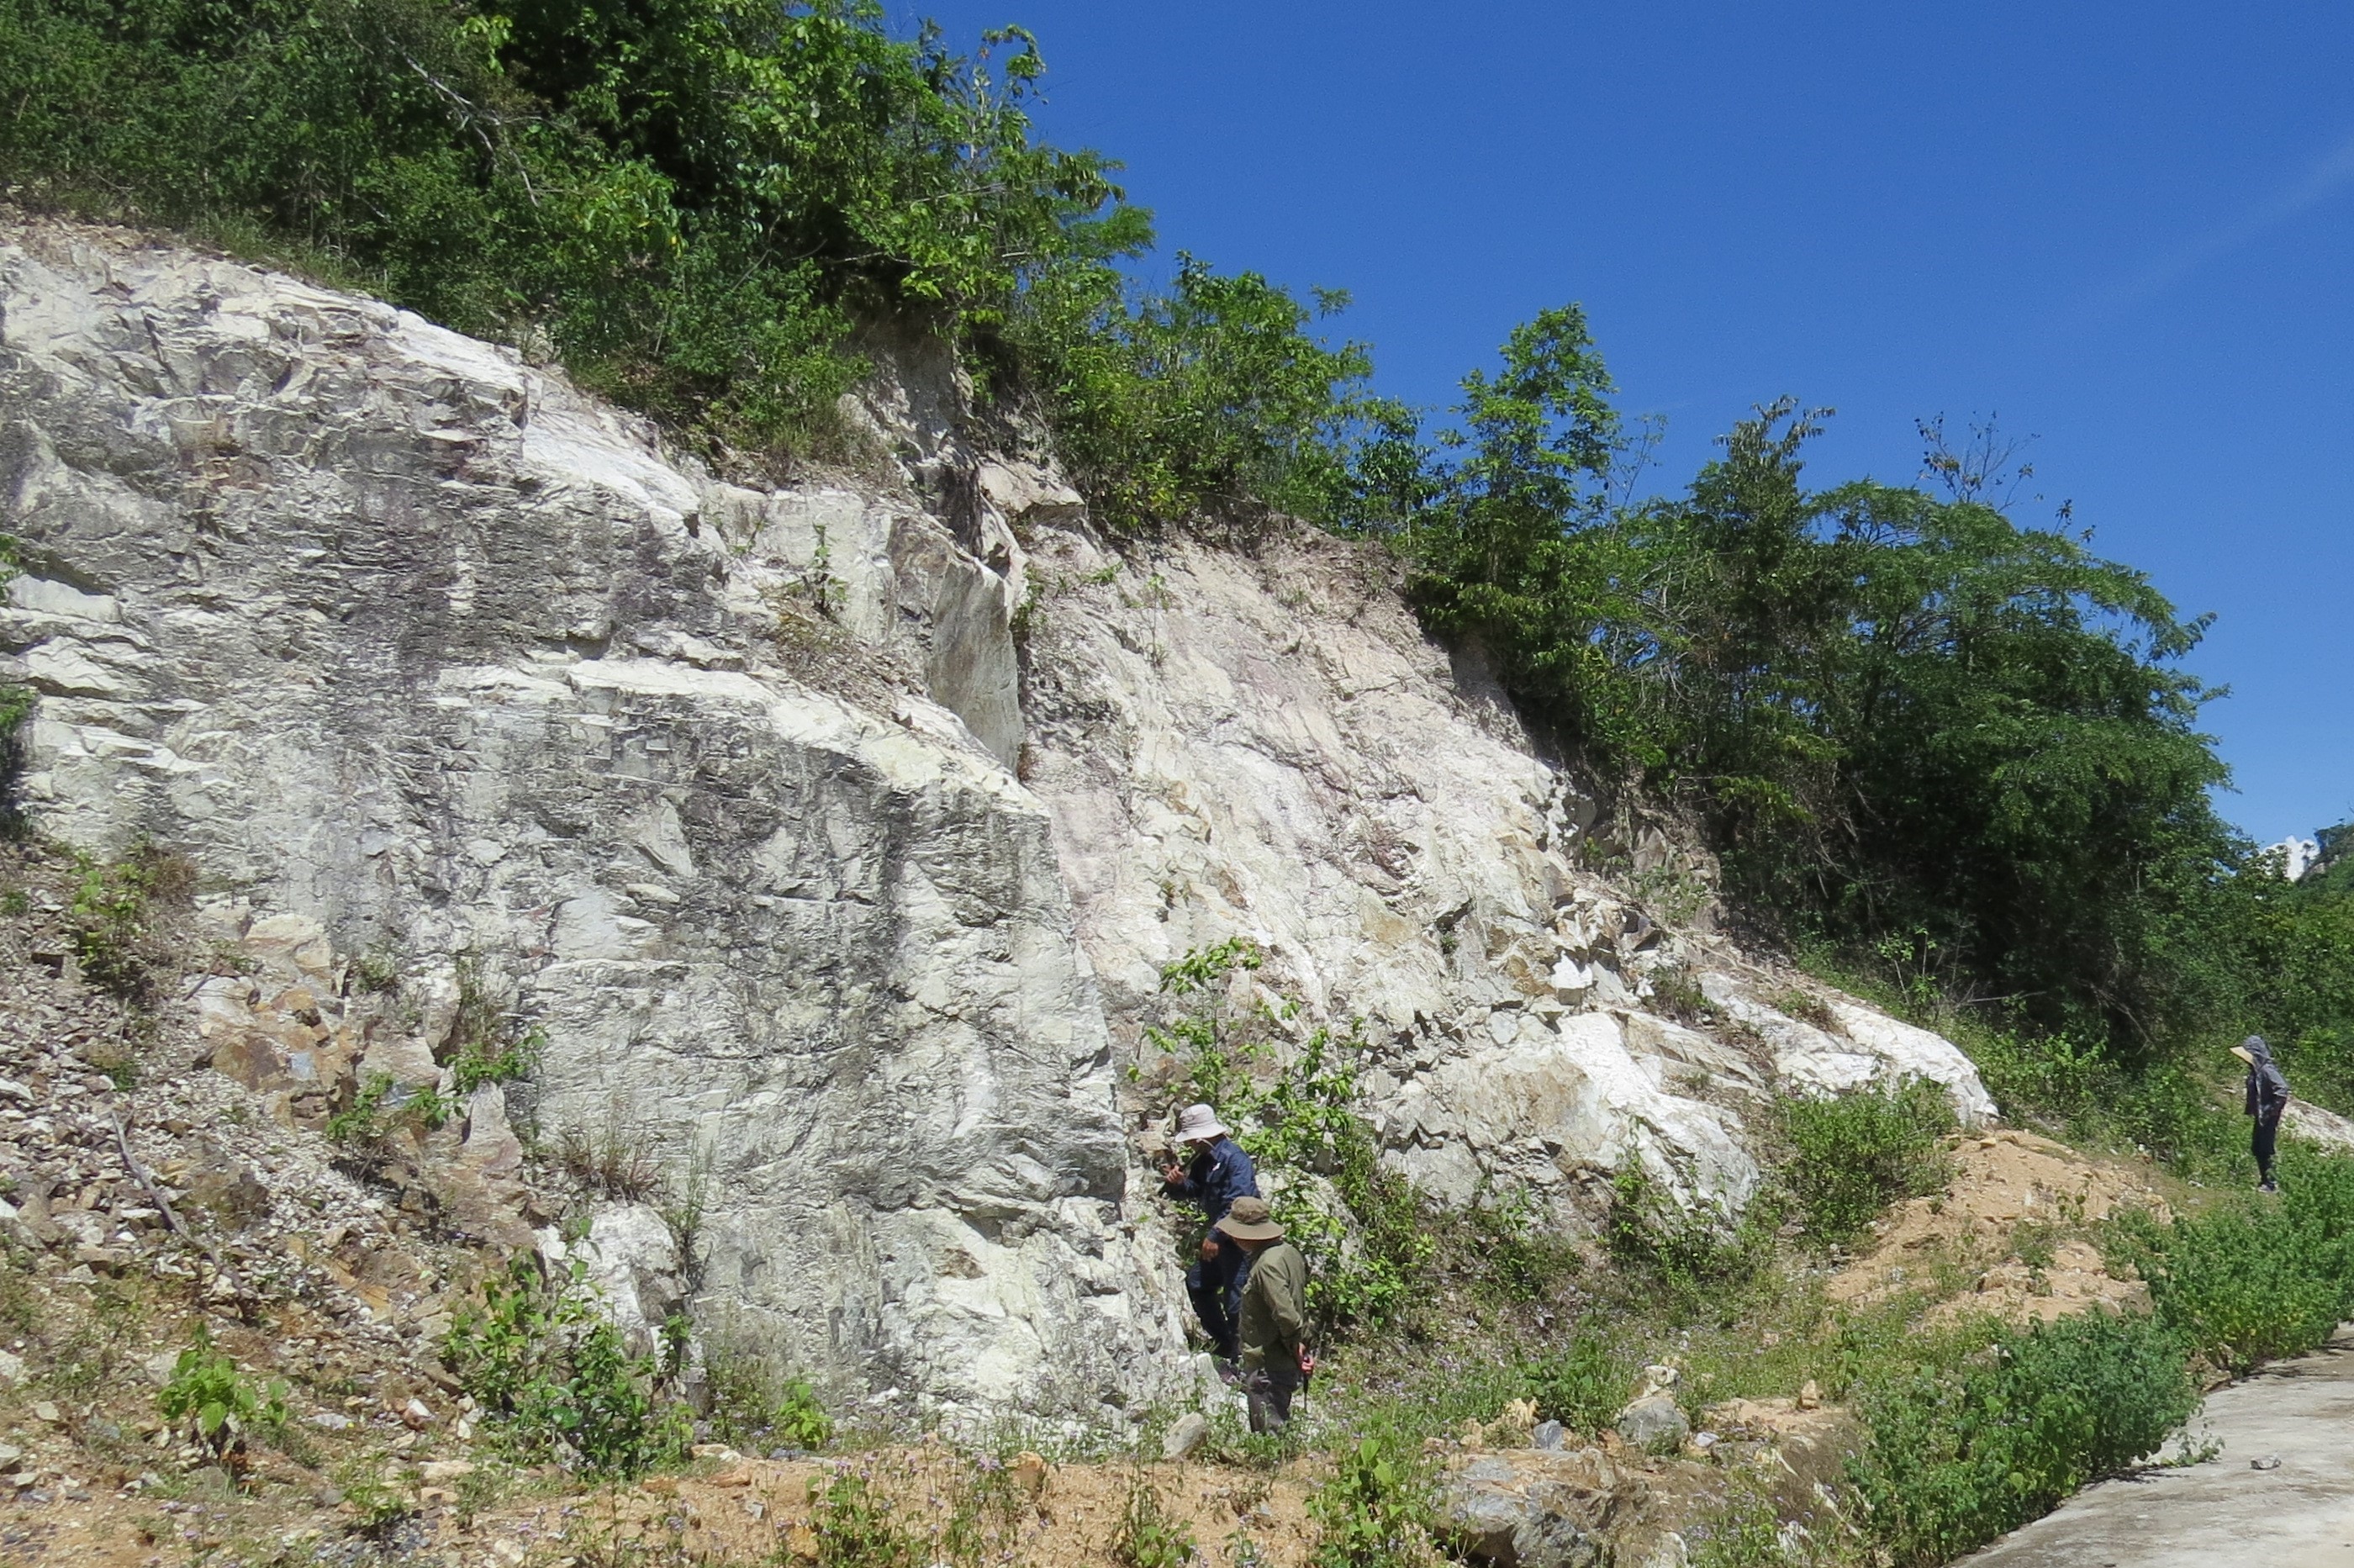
(1291, 1094)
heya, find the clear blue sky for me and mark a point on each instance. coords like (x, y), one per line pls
(2128, 229)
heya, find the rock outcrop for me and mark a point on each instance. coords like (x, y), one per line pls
(1262, 743)
(820, 885)
(425, 658)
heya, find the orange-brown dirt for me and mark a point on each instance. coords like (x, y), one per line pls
(2004, 1237)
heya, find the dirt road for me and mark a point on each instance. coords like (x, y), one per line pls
(2224, 1512)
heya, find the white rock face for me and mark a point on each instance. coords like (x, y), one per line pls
(1264, 744)
(432, 663)
(420, 654)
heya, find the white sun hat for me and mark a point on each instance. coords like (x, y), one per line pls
(1198, 1124)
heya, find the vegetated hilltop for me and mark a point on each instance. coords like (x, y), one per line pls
(768, 857)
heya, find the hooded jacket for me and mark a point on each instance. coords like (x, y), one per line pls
(2268, 1090)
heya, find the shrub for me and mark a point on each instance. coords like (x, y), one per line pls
(1955, 1456)
(1175, 405)
(1377, 1509)
(752, 1403)
(1585, 1383)
(2251, 1279)
(1853, 1155)
(1293, 1107)
(220, 1406)
(1696, 1262)
(621, 185)
(496, 1061)
(613, 1161)
(381, 1105)
(115, 919)
(1504, 1247)
(554, 1375)
(856, 1528)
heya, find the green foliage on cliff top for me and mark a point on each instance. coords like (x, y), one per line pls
(690, 201)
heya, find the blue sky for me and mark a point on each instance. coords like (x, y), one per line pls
(2125, 228)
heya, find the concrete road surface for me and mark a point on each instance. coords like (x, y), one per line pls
(2222, 1513)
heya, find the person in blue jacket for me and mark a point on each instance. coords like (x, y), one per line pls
(1218, 1172)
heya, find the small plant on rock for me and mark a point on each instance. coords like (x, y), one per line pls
(115, 920)
(219, 1405)
(496, 1061)
(553, 1374)
(381, 1105)
(1675, 992)
(613, 1161)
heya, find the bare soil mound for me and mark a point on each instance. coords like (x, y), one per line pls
(2007, 1237)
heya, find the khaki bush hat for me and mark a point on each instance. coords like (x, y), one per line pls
(1249, 1220)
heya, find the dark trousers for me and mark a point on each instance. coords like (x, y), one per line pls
(1216, 1284)
(2261, 1143)
(1268, 1390)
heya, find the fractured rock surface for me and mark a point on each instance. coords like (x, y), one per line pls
(819, 887)
(418, 653)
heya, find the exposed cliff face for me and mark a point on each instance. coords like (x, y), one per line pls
(427, 658)
(417, 651)
(1264, 744)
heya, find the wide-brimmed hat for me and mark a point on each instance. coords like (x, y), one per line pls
(1198, 1123)
(1248, 1220)
(2244, 1055)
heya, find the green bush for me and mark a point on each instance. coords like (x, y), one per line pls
(555, 1378)
(380, 1106)
(752, 1405)
(1146, 1537)
(220, 1405)
(115, 919)
(496, 1061)
(689, 200)
(1852, 1155)
(857, 1527)
(1210, 398)
(1585, 1383)
(1377, 1511)
(2255, 1279)
(1694, 1262)
(1955, 1456)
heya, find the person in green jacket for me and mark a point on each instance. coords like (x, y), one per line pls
(1274, 1314)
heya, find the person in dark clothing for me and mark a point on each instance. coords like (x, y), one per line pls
(2267, 1098)
(1217, 1173)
